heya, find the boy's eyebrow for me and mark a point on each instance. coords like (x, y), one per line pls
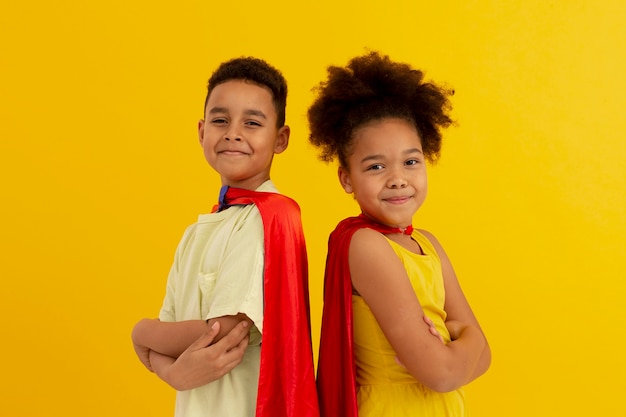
(253, 112)
(378, 157)
(247, 112)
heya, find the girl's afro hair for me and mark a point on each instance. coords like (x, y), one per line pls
(372, 87)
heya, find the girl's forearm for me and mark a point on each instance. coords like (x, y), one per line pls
(466, 354)
(483, 363)
(448, 367)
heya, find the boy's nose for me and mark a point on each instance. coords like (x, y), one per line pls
(232, 135)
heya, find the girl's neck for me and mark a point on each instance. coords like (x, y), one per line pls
(406, 242)
(387, 229)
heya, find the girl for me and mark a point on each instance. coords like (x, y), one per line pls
(398, 336)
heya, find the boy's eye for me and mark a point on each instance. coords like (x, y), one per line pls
(219, 121)
(253, 123)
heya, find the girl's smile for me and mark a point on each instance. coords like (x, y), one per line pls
(386, 171)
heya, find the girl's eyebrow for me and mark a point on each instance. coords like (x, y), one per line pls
(371, 158)
(413, 150)
(378, 157)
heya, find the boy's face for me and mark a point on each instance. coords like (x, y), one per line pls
(239, 134)
(387, 171)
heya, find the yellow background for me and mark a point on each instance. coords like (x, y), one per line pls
(101, 172)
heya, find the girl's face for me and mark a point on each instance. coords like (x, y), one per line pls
(386, 171)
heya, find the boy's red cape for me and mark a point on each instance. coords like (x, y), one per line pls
(336, 370)
(287, 377)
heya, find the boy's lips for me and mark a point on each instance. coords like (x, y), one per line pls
(231, 152)
(398, 199)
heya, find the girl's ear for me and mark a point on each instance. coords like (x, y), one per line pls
(282, 141)
(344, 179)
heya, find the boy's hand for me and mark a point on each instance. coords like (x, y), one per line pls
(204, 362)
(143, 353)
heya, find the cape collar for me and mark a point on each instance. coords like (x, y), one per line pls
(387, 230)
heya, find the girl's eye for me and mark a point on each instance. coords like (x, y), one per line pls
(412, 162)
(375, 167)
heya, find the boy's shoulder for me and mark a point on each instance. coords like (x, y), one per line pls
(268, 199)
(281, 201)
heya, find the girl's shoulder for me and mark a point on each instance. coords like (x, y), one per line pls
(370, 240)
(366, 241)
(368, 234)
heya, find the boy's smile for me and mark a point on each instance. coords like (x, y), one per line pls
(397, 200)
(231, 151)
(387, 171)
(239, 134)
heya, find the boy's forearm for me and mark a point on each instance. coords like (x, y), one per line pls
(161, 365)
(170, 339)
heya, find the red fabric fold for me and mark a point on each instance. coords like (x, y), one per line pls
(336, 371)
(287, 377)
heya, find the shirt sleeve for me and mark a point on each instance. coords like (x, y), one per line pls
(167, 312)
(239, 281)
(168, 308)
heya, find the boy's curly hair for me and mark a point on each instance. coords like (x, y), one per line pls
(257, 71)
(372, 87)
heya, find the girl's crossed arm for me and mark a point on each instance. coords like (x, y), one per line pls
(380, 278)
(458, 310)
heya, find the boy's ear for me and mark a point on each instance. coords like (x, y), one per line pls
(201, 131)
(282, 141)
(344, 179)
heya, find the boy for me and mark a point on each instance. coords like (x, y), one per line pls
(239, 277)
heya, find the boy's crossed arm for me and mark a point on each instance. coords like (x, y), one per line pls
(166, 338)
(191, 353)
(205, 360)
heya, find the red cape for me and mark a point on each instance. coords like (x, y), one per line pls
(287, 377)
(336, 371)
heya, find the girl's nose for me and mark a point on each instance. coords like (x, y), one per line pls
(397, 181)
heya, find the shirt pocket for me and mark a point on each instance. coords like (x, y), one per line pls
(206, 284)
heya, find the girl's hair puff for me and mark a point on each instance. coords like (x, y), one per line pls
(372, 87)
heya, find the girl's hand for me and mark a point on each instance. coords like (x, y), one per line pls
(432, 329)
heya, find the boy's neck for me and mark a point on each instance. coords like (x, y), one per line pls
(251, 184)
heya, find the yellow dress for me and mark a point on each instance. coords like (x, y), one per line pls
(384, 388)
